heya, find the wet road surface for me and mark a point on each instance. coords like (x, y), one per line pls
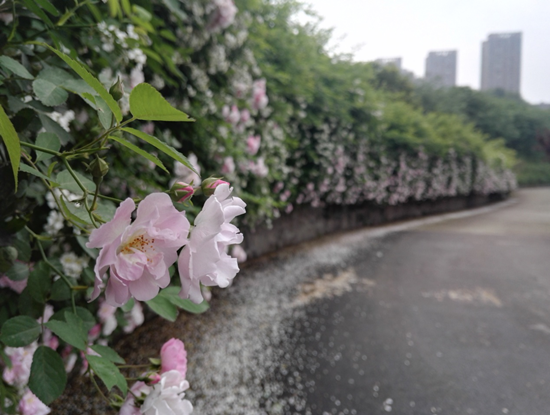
(445, 315)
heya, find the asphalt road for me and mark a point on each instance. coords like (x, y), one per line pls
(448, 315)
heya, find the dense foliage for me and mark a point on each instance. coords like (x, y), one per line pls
(271, 111)
(499, 116)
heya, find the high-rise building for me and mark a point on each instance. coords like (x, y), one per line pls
(390, 61)
(501, 62)
(441, 67)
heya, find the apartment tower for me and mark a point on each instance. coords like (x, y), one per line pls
(501, 62)
(441, 68)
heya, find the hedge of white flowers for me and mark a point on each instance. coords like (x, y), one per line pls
(134, 135)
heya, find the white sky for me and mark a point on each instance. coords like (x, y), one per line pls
(411, 28)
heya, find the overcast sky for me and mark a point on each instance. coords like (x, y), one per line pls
(411, 28)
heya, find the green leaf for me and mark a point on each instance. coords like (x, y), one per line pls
(173, 6)
(165, 148)
(49, 93)
(141, 152)
(49, 141)
(15, 67)
(33, 7)
(18, 272)
(77, 86)
(146, 103)
(92, 252)
(71, 331)
(105, 116)
(66, 181)
(108, 353)
(48, 378)
(39, 282)
(60, 291)
(105, 209)
(19, 331)
(55, 75)
(172, 295)
(73, 213)
(87, 318)
(46, 5)
(128, 306)
(53, 127)
(108, 373)
(37, 173)
(163, 307)
(89, 79)
(11, 140)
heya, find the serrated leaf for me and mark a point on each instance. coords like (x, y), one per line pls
(19, 331)
(55, 75)
(15, 67)
(39, 282)
(165, 148)
(35, 172)
(108, 353)
(71, 331)
(66, 181)
(18, 272)
(139, 151)
(77, 86)
(163, 307)
(48, 378)
(146, 103)
(172, 294)
(89, 79)
(108, 373)
(11, 141)
(49, 141)
(85, 315)
(49, 93)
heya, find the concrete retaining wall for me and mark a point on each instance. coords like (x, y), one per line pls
(306, 222)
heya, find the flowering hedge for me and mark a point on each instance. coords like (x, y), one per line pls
(118, 120)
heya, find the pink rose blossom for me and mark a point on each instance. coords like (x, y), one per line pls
(17, 286)
(138, 254)
(31, 405)
(166, 397)
(185, 174)
(245, 116)
(173, 357)
(21, 360)
(182, 191)
(134, 318)
(138, 389)
(231, 116)
(258, 168)
(253, 144)
(228, 165)
(107, 318)
(239, 253)
(223, 16)
(209, 185)
(259, 97)
(204, 259)
(148, 128)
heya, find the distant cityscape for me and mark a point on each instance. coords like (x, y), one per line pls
(500, 64)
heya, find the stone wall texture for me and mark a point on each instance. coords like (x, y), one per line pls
(306, 223)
